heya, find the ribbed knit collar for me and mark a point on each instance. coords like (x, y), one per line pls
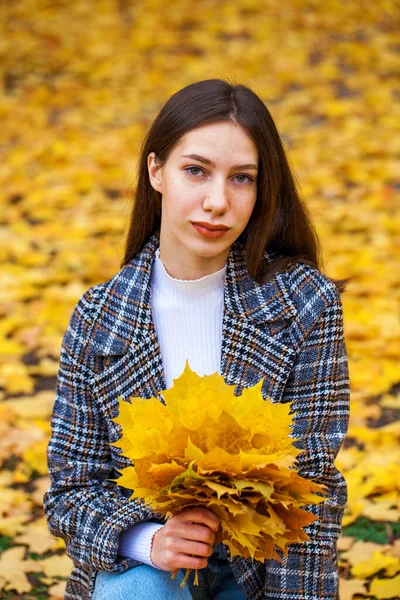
(188, 287)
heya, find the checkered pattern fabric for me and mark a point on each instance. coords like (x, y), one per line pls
(288, 332)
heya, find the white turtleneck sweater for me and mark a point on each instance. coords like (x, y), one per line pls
(187, 316)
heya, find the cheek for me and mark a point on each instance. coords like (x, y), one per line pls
(245, 208)
(178, 203)
(176, 191)
(251, 203)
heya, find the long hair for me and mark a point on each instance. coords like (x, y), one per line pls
(280, 223)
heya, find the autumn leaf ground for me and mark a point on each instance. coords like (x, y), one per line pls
(76, 101)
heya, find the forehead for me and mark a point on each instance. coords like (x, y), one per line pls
(218, 140)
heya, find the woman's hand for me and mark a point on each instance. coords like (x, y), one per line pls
(192, 531)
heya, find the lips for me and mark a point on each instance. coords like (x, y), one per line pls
(209, 233)
(211, 227)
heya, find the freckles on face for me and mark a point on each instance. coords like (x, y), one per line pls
(179, 197)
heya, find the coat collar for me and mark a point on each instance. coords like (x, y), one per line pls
(126, 299)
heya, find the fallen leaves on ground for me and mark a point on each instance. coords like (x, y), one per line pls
(76, 104)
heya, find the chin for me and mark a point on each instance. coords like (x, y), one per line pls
(209, 250)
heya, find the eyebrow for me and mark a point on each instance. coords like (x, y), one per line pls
(207, 161)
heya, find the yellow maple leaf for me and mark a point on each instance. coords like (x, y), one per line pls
(232, 454)
(349, 587)
(37, 536)
(385, 588)
(13, 566)
(56, 565)
(374, 564)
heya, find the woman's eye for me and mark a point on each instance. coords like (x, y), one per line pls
(247, 178)
(195, 168)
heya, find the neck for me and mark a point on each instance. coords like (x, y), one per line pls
(184, 266)
(187, 287)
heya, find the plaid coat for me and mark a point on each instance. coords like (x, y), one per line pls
(288, 331)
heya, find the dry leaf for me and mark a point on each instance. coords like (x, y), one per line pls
(375, 563)
(56, 566)
(385, 588)
(54, 171)
(349, 587)
(13, 567)
(233, 455)
(345, 542)
(57, 591)
(37, 536)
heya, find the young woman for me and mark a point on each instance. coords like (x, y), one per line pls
(222, 267)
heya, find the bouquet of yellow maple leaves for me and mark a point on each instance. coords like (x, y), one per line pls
(230, 454)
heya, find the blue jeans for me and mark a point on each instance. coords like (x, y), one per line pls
(216, 582)
(140, 583)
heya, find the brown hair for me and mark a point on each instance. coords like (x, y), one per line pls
(280, 222)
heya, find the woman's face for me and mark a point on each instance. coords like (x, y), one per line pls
(210, 176)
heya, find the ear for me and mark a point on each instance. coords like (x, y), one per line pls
(155, 172)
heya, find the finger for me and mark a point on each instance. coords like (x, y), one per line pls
(196, 532)
(186, 561)
(202, 515)
(192, 547)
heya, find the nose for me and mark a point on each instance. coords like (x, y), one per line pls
(217, 197)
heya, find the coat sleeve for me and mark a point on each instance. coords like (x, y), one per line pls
(81, 506)
(318, 388)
